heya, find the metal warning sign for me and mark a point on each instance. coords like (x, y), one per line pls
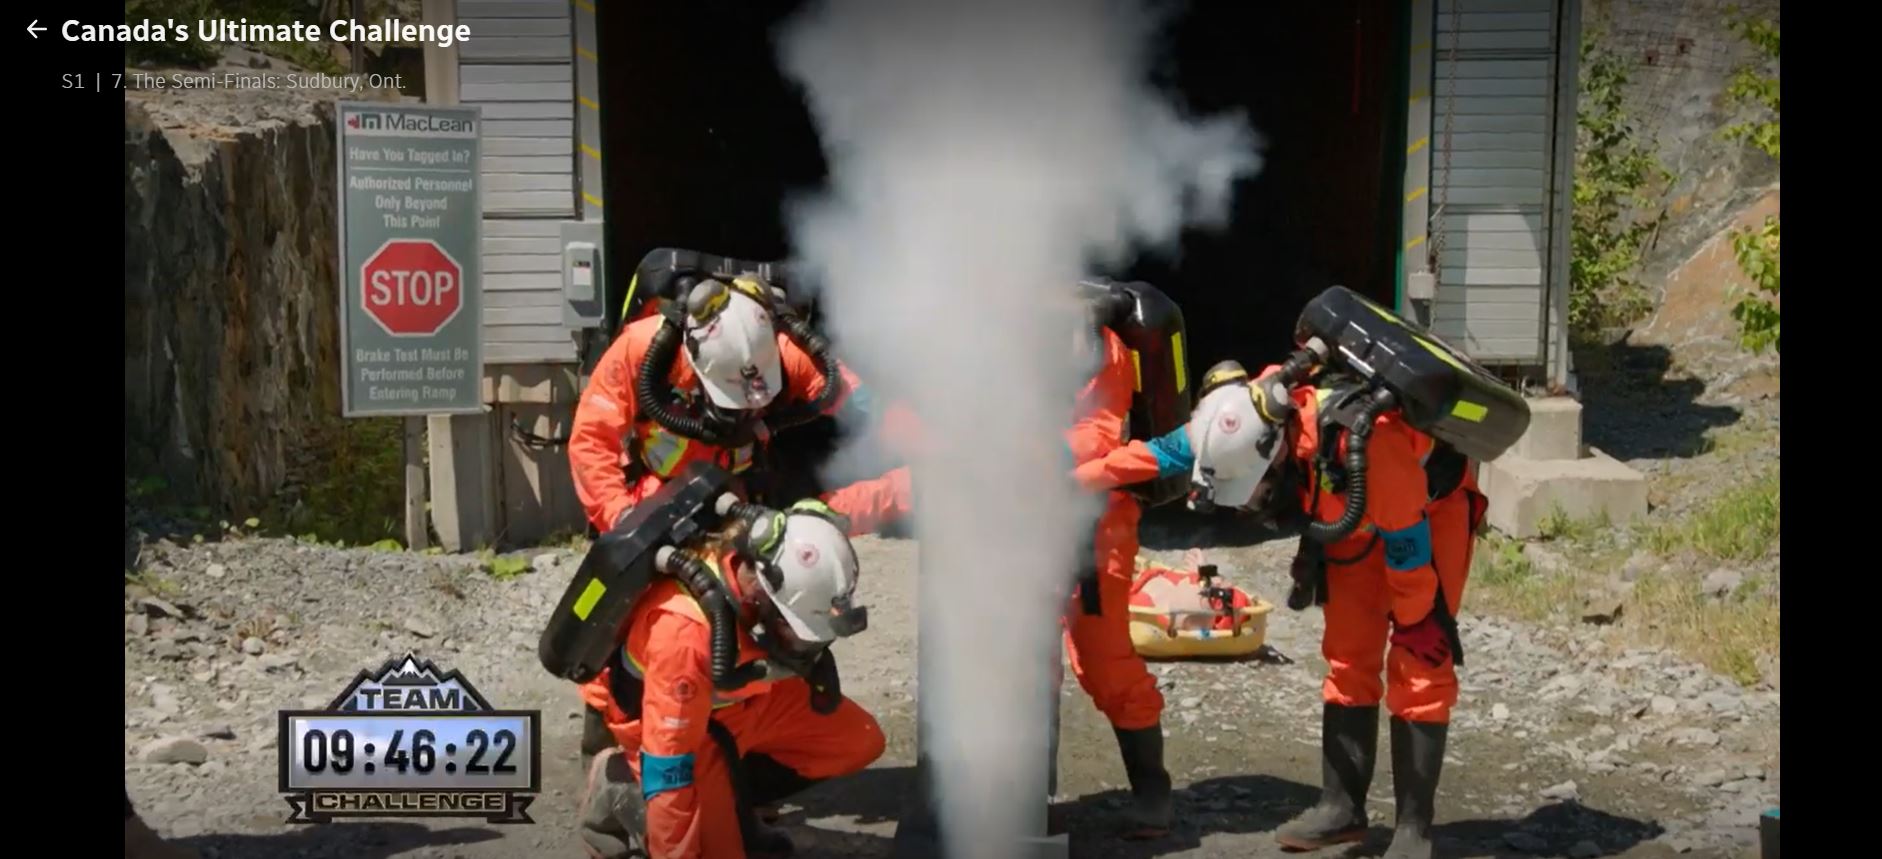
(410, 280)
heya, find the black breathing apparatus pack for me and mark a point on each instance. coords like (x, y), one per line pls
(1377, 362)
(1151, 327)
(660, 537)
(683, 284)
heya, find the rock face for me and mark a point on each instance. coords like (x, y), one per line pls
(231, 309)
(1679, 65)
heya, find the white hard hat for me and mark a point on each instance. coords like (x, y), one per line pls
(1233, 445)
(733, 347)
(810, 574)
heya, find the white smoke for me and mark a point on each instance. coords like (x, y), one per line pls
(982, 154)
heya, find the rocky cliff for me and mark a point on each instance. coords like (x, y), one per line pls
(230, 291)
(1681, 56)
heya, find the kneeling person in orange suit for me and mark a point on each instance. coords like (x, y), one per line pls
(1391, 588)
(693, 761)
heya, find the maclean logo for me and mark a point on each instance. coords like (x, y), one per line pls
(409, 123)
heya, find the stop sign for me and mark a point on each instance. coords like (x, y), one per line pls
(411, 287)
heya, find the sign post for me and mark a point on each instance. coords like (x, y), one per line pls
(411, 281)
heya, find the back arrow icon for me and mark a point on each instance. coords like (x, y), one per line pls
(34, 29)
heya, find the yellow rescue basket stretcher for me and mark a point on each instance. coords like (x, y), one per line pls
(1178, 614)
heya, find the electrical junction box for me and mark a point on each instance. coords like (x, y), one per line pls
(584, 278)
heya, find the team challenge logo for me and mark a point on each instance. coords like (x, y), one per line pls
(410, 740)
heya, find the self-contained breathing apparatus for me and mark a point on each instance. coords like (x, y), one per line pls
(1151, 326)
(683, 284)
(1374, 362)
(660, 537)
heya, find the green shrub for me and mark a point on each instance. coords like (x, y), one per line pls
(1616, 177)
(1756, 249)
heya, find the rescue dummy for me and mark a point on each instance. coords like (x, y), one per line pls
(1193, 612)
(718, 690)
(1389, 513)
(710, 378)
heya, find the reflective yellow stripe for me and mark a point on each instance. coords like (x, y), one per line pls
(1415, 242)
(585, 54)
(1416, 194)
(1442, 353)
(662, 451)
(596, 201)
(1137, 370)
(1473, 412)
(585, 6)
(1418, 144)
(1176, 355)
(627, 303)
(588, 102)
(585, 604)
(591, 152)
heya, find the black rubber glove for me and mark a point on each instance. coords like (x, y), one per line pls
(1309, 571)
(826, 688)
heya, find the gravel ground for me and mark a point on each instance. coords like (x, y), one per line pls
(1561, 748)
(1697, 417)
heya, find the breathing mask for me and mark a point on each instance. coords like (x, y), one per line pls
(808, 571)
(1237, 433)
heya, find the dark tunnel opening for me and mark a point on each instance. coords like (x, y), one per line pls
(705, 141)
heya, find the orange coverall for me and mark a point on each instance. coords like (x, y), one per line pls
(691, 810)
(1366, 593)
(1102, 656)
(600, 452)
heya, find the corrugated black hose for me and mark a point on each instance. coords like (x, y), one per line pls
(1356, 439)
(697, 577)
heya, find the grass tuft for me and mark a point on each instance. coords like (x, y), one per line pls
(1741, 525)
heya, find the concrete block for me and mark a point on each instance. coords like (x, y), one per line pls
(1554, 430)
(1525, 492)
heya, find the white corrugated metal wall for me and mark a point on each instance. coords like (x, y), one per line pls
(1496, 134)
(520, 69)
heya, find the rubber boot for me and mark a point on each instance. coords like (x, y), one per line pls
(1152, 811)
(1417, 758)
(1349, 745)
(613, 817)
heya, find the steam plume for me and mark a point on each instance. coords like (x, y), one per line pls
(983, 153)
